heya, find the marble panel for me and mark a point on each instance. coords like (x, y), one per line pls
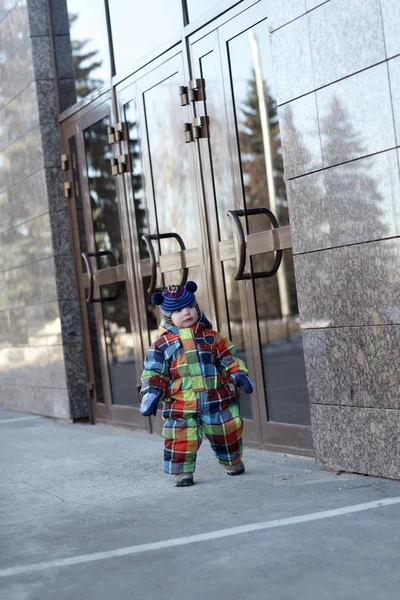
(46, 101)
(394, 74)
(25, 156)
(308, 209)
(50, 145)
(55, 188)
(36, 371)
(52, 323)
(70, 321)
(20, 115)
(5, 171)
(76, 380)
(17, 72)
(18, 327)
(345, 37)
(353, 366)
(14, 31)
(65, 276)
(6, 210)
(29, 197)
(343, 286)
(292, 61)
(363, 199)
(36, 325)
(301, 143)
(51, 402)
(63, 54)
(391, 25)
(314, 3)
(41, 57)
(57, 367)
(355, 116)
(67, 93)
(359, 440)
(46, 280)
(5, 330)
(59, 17)
(61, 235)
(281, 12)
(18, 398)
(37, 13)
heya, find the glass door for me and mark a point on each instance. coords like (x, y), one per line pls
(248, 213)
(108, 308)
(166, 216)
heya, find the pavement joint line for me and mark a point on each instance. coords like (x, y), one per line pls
(191, 539)
(5, 421)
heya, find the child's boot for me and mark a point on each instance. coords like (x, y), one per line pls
(236, 469)
(184, 479)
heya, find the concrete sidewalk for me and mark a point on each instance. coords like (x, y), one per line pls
(91, 510)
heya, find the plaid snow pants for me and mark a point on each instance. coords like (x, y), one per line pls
(185, 422)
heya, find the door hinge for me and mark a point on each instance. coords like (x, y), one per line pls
(67, 189)
(197, 90)
(193, 92)
(114, 166)
(119, 165)
(198, 128)
(115, 134)
(111, 135)
(64, 162)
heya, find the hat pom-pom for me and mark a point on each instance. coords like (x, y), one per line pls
(157, 298)
(191, 286)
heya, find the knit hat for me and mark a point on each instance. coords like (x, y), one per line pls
(175, 297)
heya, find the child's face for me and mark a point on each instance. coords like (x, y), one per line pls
(185, 318)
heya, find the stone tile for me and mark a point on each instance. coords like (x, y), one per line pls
(391, 24)
(52, 321)
(301, 144)
(353, 366)
(14, 31)
(37, 13)
(55, 188)
(36, 371)
(67, 93)
(59, 14)
(5, 331)
(57, 367)
(394, 74)
(363, 199)
(379, 452)
(5, 171)
(36, 325)
(19, 398)
(70, 321)
(292, 62)
(314, 3)
(51, 402)
(18, 327)
(21, 114)
(22, 194)
(318, 292)
(355, 116)
(25, 156)
(76, 380)
(6, 210)
(281, 12)
(50, 145)
(343, 286)
(17, 72)
(308, 209)
(65, 274)
(345, 37)
(62, 241)
(46, 275)
(63, 54)
(46, 101)
(41, 57)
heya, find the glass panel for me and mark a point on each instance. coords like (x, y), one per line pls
(131, 119)
(211, 71)
(197, 8)
(73, 152)
(103, 196)
(172, 180)
(264, 186)
(139, 27)
(119, 345)
(89, 41)
(236, 330)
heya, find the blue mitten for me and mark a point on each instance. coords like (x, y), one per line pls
(244, 383)
(149, 405)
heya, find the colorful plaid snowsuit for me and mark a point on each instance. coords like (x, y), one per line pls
(192, 370)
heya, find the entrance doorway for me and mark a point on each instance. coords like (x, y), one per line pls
(180, 176)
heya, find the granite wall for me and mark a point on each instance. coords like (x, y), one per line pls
(41, 358)
(337, 69)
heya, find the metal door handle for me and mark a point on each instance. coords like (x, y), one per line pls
(89, 297)
(161, 236)
(234, 215)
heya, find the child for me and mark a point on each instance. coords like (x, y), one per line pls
(191, 368)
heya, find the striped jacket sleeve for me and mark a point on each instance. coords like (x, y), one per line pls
(155, 376)
(227, 360)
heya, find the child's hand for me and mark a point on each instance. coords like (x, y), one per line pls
(149, 405)
(244, 383)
